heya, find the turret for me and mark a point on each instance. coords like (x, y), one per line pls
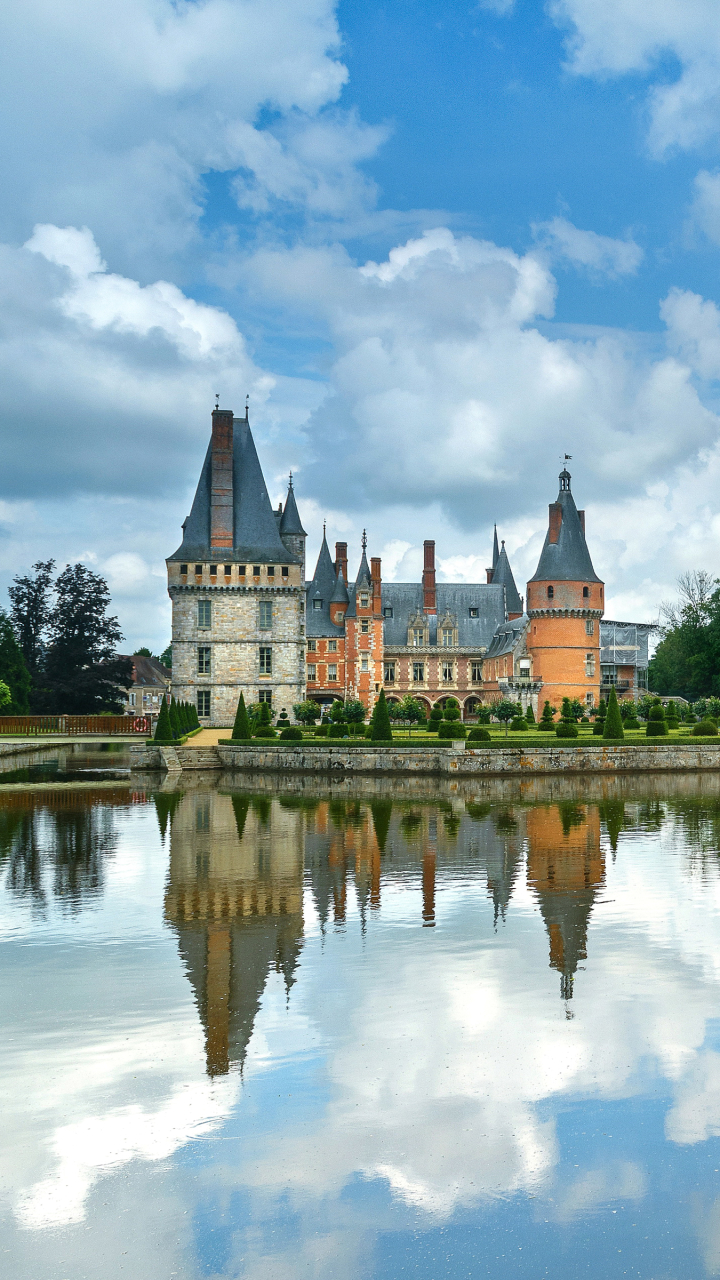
(291, 530)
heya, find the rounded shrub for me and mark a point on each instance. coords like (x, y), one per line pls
(657, 724)
(518, 724)
(479, 735)
(265, 731)
(705, 729)
(452, 729)
(321, 731)
(452, 713)
(566, 730)
(292, 733)
(338, 731)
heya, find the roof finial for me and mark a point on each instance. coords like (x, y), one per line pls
(290, 484)
(247, 401)
(364, 540)
(324, 524)
(217, 399)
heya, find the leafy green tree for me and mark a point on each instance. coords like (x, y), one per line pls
(355, 711)
(578, 709)
(307, 712)
(686, 662)
(82, 672)
(613, 721)
(409, 711)
(337, 712)
(381, 731)
(32, 607)
(505, 711)
(241, 728)
(143, 653)
(5, 697)
(166, 657)
(13, 671)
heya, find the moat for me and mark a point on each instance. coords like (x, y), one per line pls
(273, 1027)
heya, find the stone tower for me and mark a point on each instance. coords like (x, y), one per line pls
(565, 602)
(237, 585)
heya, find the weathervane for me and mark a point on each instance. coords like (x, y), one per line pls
(364, 541)
(217, 399)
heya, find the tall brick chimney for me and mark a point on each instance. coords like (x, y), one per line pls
(221, 480)
(341, 559)
(376, 579)
(428, 578)
(555, 521)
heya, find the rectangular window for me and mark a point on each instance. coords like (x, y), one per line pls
(365, 626)
(265, 660)
(271, 571)
(418, 636)
(213, 571)
(285, 570)
(204, 660)
(204, 615)
(447, 670)
(256, 570)
(474, 613)
(203, 702)
(364, 602)
(418, 672)
(364, 664)
(387, 612)
(132, 699)
(183, 568)
(589, 626)
(312, 671)
(312, 646)
(265, 619)
(332, 646)
(389, 672)
(447, 637)
(198, 570)
(524, 671)
(317, 604)
(228, 570)
(265, 695)
(241, 570)
(476, 672)
(332, 671)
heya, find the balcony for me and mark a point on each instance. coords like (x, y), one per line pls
(620, 685)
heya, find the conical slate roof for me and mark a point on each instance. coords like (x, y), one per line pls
(256, 535)
(496, 552)
(290, 521)
(363, 579)
(321, 589)
(568, 559)
(503, 576)
(340, 594)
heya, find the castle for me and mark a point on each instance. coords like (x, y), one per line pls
(245, 619)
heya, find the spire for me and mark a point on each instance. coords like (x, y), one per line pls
(340, 594)
(503, 576)
(496, 553)
(364, 577)
(319, 595)
(290, 522)
(565, 556)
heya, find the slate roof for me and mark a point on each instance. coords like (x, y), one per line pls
(363, 576)
(148, 671)
(290, 519)
(506, 637)
(503, 576)
(568, 559)
(322, 587)
(406, 599)
(256, 536)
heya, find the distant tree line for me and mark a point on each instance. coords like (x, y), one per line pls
(58, 645)
(686, 662)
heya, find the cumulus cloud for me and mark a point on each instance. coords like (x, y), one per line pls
(622, 36)
(705, 206)
(602, 257)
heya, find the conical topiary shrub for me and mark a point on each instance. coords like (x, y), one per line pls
(163, 728)
(600, 716)
(656, 725)
(671, 715)
(613, 730)
(547, 724)
(241, 727)
(174, 721)
(381, 731)
(530, 714)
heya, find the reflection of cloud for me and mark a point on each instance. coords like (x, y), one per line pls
(695, 1116)
(618, 1180)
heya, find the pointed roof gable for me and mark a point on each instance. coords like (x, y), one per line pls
(503, 576)
(340, 594)
(321, 588)
(566, 559)
(363, 578)
(256, 535)
(496, 552)
(290, 519)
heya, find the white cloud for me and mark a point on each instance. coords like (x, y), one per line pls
(601, 257)
(622, 36)
(705, 207)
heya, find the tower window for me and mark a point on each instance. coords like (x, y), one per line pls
(198, 570)
(551, 592)
(365, 626)
(271, 571)
(265, 660)
(586, 593)
(364, 602)
(265, 619)
(285, 569)
(183, 568)
(213, 570)
(256, 570)
(203, 702)
(203, 663)
(228, 570)
(317, 604)
(387, 612)
(204, 615)
(364, 664)
(589, 626)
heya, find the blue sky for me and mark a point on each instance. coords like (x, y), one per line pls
(439, 245)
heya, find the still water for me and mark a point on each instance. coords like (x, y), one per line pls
(276, 1029)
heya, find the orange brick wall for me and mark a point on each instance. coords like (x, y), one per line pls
(559, 645)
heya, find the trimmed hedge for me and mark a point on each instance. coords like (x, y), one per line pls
(292, 734)
(566, 730)
(705, 729)
(479, 735)
(452, 729)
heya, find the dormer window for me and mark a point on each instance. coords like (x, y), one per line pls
(551, 592)
(474, 612)
(387, 612)
(317, 604)
(364, 602)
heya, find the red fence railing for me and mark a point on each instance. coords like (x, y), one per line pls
(34, 726)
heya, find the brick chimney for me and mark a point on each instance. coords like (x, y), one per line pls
(376, 579)
(341, 559)
(221, 481)
(555, 521)
(428, 578)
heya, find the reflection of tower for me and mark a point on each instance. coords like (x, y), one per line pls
(234, 897)
(566, 868)
(502, 851)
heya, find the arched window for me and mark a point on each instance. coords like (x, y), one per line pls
(551, 592)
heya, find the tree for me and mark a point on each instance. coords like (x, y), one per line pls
(337, 712)
(5, 697)
(163, 728)
(381, 731)
(355, 711)
(686, 662)
(307, 712)
(409, 711)
(31, 600)
(13, 671)
(505, 711)
(656, 725)
(142, 653)
(613, 721)
(241, 728)
(546, 719)
(166, 657)
(530, 714)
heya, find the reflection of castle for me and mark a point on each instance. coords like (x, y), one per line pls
(234, 897)
(566, 868)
